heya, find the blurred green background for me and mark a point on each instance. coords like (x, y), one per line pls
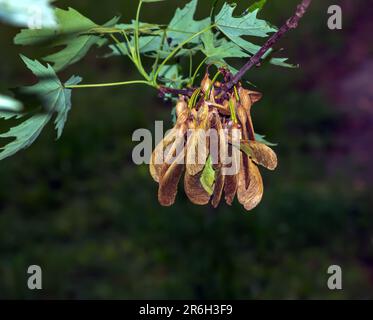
(89, 217)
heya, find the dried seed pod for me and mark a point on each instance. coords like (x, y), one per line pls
(205, 181)
(250, 195)
(173, 151)
(222, 109)
(194, 189)
(223, 139)
(226, 106)
(206, 83)
(255, 96)
(197, 144)
(218, 188)
(157, 157)
(245, 98)
(260, 154)
(231, 180)
(247, 102)
(168, 184)
(242, 117)
(230, 188)
(248, 97)
(221, 154)
(181, 106)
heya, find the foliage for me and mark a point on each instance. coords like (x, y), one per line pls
(219, 37)
(70, 32)
(55, 98)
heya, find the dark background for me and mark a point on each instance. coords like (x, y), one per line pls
(89, 217)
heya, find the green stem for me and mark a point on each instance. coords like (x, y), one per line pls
(111, 84)
(155, 65)
(193, 98)
(197, 70)
(207, 94)
(233, 111)
(170, 56)
(130, 50)
(236, 93)
(137, 46)
(121, 45)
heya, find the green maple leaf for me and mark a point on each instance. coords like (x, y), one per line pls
(183, 25)
(147, 45)
(71, 32)
(170, 76)
(219, 49)
(56, 99)
(246, 25)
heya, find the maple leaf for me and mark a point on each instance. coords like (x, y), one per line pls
(55, 98)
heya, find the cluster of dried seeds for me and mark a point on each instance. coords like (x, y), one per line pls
(187, 148)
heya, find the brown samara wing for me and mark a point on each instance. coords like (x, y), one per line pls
(220, 145)
(248, 97)
(260, 153)
(197, 144)
(194, 189)
(170, 141)
(250, 195)
(169, 181)
(157, 157)
(230, 188)
(218, 188)
(231, 180)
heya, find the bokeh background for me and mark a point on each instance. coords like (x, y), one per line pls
(89, 217)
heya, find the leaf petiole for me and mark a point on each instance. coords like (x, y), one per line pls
(110, 84)
(193, 98)
(197, 70)
(171, 55)
(137, 45)
(121, 45)
(233, 111)
(207, 94)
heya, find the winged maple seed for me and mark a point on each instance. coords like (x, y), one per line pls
(204, 146)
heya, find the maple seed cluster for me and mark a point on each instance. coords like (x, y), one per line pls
(205, 181)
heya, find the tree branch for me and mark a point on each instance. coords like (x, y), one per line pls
(167, 90)
(291, 23)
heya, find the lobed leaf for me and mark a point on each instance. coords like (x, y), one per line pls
(71, 33)
(234, 28)
(246, 25)
(183, 25)
(55, 98)
(219, 49)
